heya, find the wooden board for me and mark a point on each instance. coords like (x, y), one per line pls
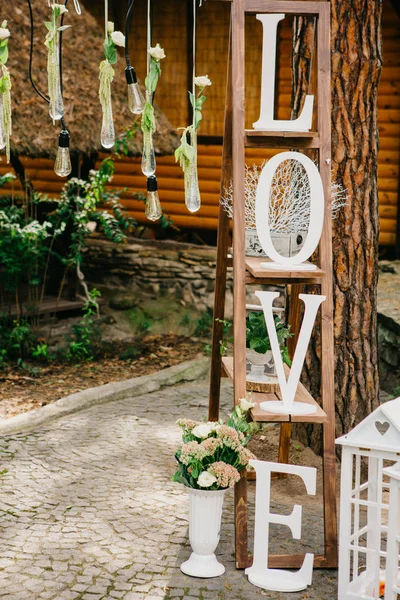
(261, 416)
(258, 386)
(49, 305)
(281, 139)
(253, 266)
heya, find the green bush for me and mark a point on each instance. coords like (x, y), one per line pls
(85, 342)
(16, 339)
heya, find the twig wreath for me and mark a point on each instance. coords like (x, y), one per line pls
(186, 153)
(5, 92)
(289, 202)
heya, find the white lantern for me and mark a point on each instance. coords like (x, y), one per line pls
(364, 554)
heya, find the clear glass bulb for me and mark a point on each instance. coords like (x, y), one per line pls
(56, 109)
(62, 166)
(3, 137)
(77, 7)
(107, 129)
(192, 192)
(148, 156)
(153, 208)
(135, 99)
(58, 104)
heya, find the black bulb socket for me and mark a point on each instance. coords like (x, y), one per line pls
(130, 75)
(63, 139)
(152, 185)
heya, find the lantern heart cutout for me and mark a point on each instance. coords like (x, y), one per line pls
(382, 427)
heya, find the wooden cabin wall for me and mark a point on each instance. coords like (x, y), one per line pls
(170, 30)
(389, 126)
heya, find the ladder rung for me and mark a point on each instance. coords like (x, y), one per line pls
(255, 138)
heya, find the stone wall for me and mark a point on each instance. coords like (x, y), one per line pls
(124, 272)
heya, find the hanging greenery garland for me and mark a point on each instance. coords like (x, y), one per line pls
(5, 92)
(52, 43)
(186, 153)
(106, 76)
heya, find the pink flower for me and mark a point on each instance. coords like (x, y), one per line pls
(230, 437)
(245, 456)
(226, 475)
(210, 445)
(191, 451)
(187, 424)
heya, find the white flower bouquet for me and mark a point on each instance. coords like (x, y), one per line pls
(212, 455)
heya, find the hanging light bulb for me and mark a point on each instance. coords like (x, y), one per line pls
(135, 96)
(153, 208)
(62, 166)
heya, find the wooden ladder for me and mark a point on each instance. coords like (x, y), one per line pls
(248, 270)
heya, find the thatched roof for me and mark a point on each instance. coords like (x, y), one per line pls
(33, 132)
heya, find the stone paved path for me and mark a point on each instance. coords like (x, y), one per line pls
(88, 510)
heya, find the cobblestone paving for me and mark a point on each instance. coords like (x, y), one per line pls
(88, 510)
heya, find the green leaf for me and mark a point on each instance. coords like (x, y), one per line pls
(148, 119)
(200, 101)
(64, 27)
(151, 80)
(3, 54)
(110, 51)
(49, 25)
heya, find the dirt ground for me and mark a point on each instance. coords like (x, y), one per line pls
(291, 489)
(21, 392)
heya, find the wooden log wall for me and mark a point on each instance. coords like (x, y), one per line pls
(211, 59)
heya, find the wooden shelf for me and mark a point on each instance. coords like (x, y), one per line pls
(255, 138)
(48, 305)
(259, 274)
(261, 416)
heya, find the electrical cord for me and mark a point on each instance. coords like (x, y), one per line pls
(127, 26)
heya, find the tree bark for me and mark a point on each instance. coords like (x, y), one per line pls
(356, 67)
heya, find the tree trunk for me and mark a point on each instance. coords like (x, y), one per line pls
(356, 68)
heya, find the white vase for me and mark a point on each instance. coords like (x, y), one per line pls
(205, 512)
(262, 366)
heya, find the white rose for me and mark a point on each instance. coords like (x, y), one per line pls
(157, 52)
(203, 81)
(205, 479)
(246, 405)
(202, 431)
(213, 425)
(118, 38)
(110, 27)
(60, 7)
(4, 33)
